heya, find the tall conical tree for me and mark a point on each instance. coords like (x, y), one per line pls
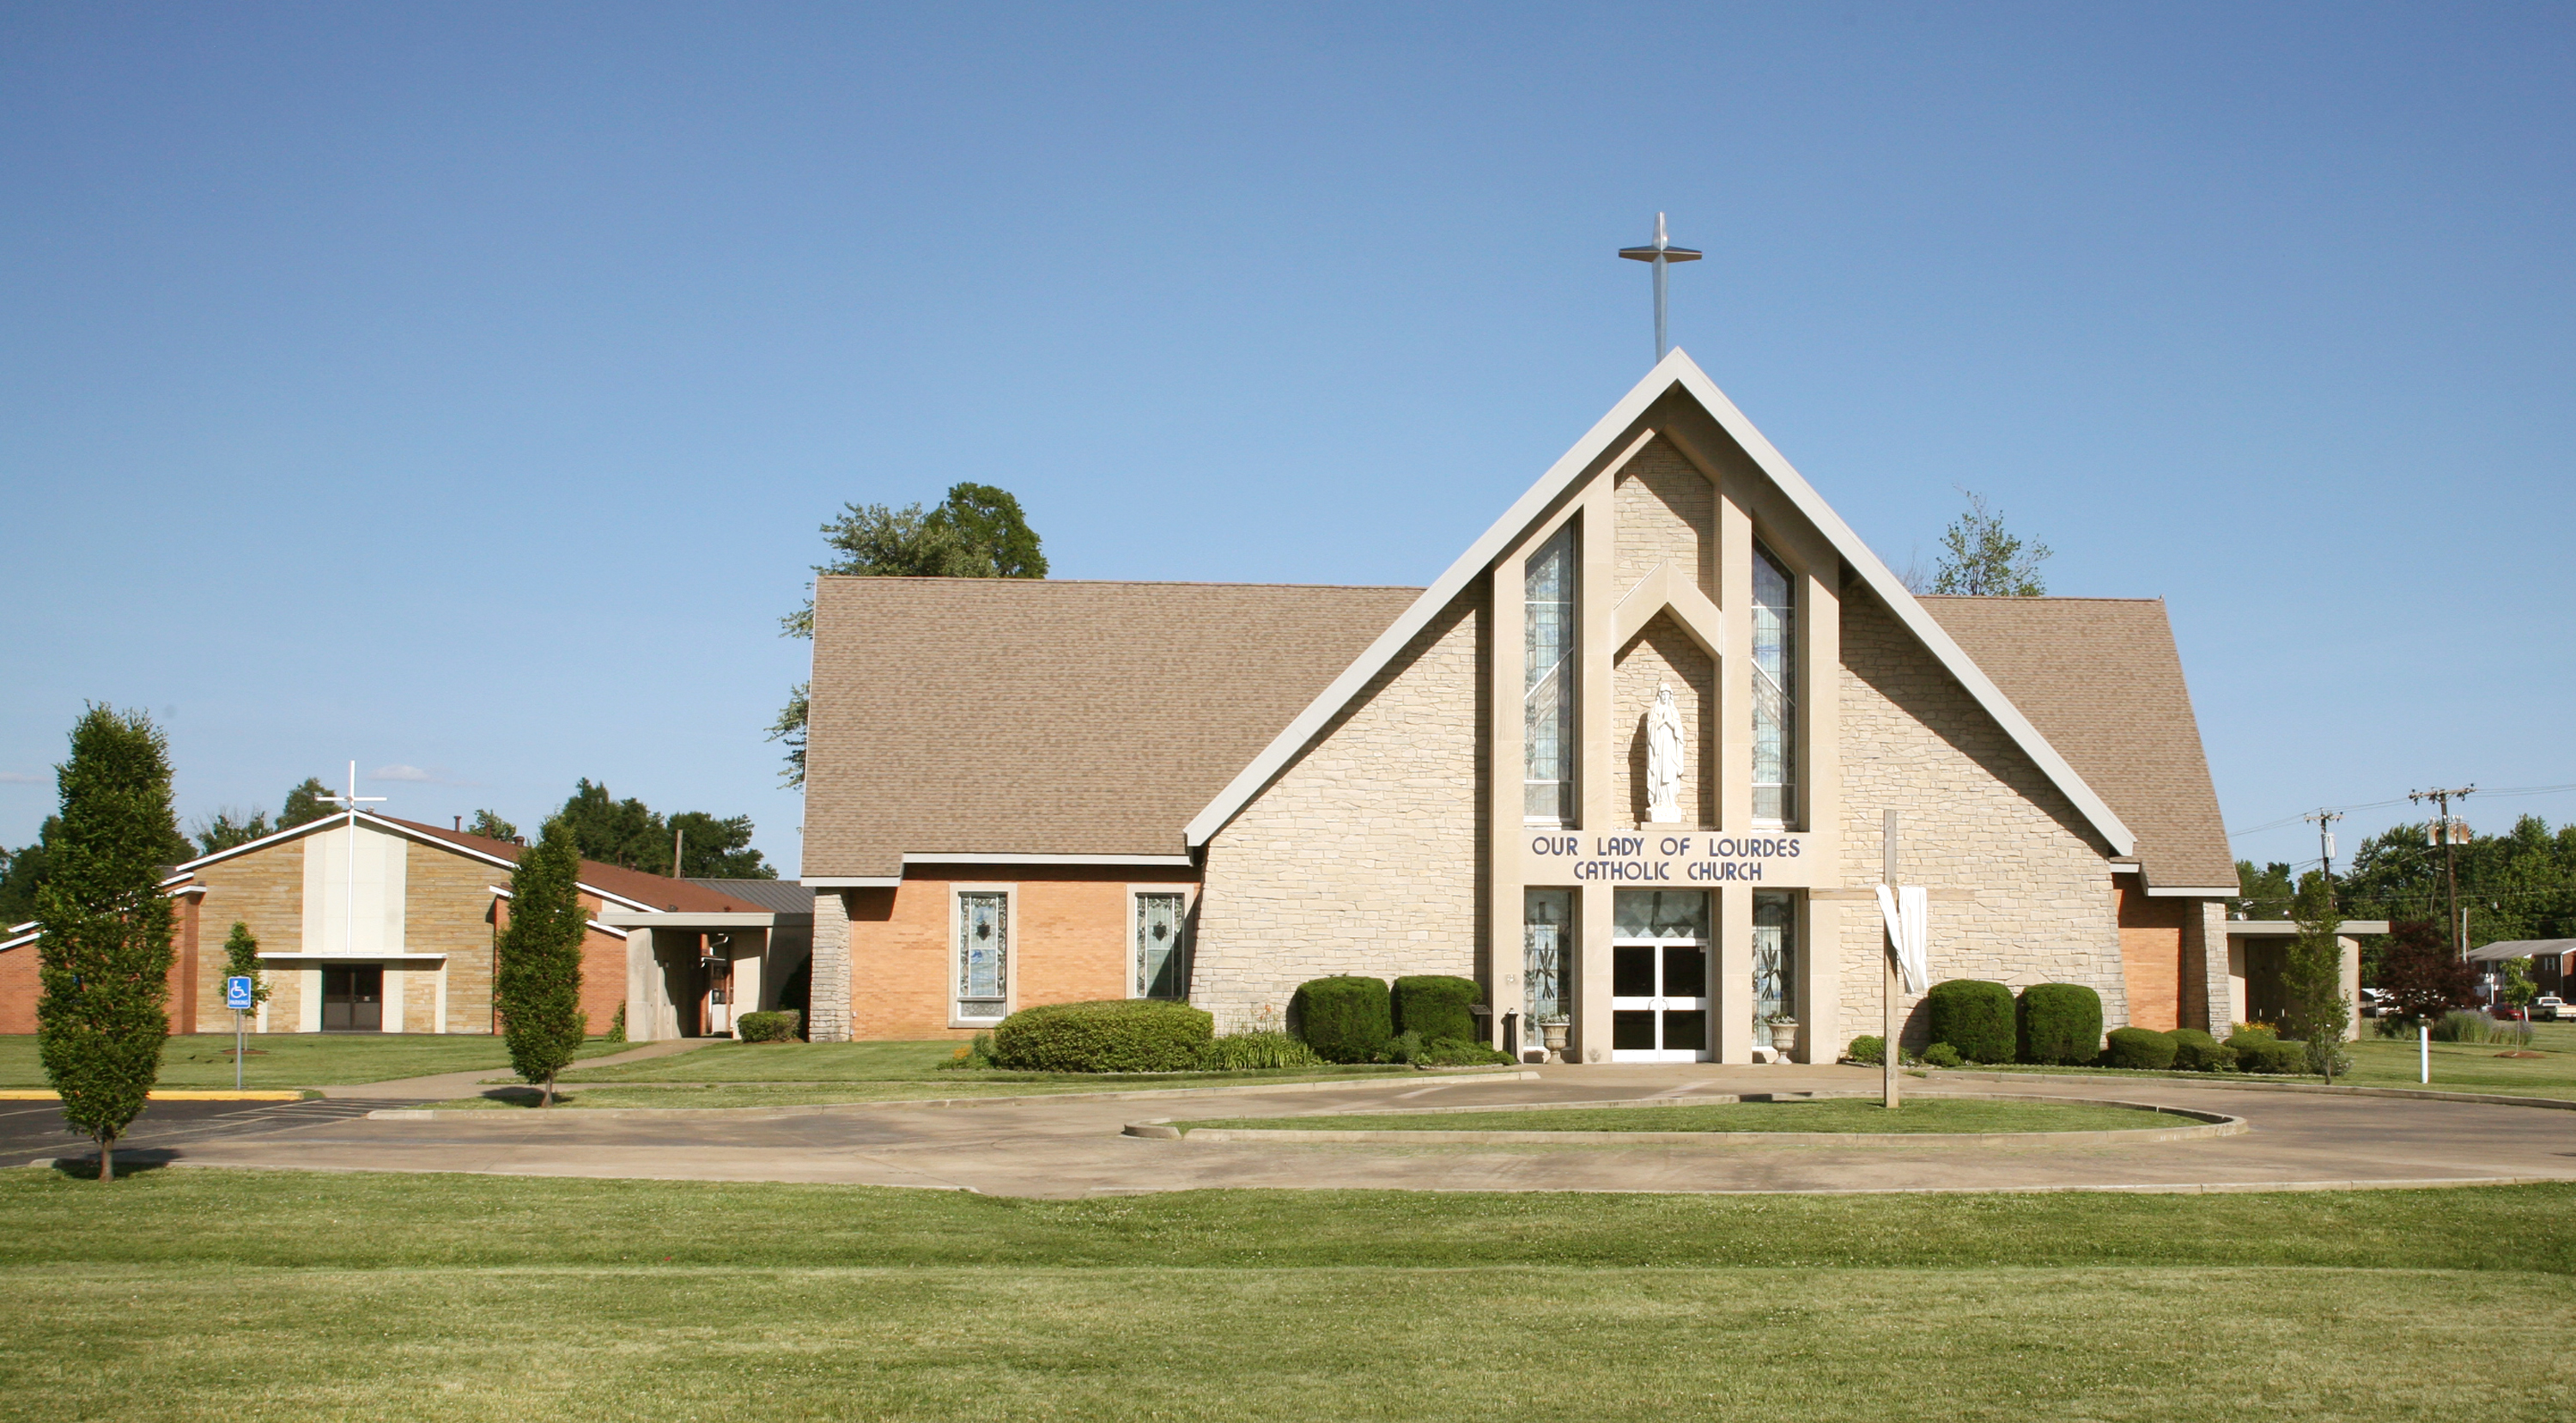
(104, 955)
(540, 972)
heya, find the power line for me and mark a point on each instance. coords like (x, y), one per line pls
(2400, 800)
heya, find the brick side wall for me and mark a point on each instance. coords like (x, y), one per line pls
(2151, 956)
(1662, 652)
(448, 908)
(1667, 513)
(603, 968)
(1069, 943)
(1366, 853)
(2021, 891)
(20, 987)
(263, 890)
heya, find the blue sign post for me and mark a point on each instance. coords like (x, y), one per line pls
(238, 997)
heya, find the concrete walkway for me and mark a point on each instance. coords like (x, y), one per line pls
(1060, 1148)
(448, 1086)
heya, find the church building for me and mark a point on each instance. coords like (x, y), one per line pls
(1627, 763)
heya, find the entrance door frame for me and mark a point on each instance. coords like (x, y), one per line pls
(1660, 1003)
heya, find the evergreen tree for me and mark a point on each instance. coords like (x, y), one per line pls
(539, 984)
(241, 960)
(304, 804)
(2312, 976)
(26, 871)
(1980, 559)
(978, 531)
(104, 958)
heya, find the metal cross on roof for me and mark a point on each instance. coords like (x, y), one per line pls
(1662, 253)
(349, 899)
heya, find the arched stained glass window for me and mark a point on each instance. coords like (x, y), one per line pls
(1547, 702)
(1775, 687)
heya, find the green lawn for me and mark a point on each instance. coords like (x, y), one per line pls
(299, 1059)
(2457, 1067)
(1922, 1115)
(807, 1063)
(202, 1294)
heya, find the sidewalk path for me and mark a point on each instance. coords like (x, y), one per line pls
(1074, 1148)
(447, 1086)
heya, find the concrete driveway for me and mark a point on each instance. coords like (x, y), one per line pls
(1070, 1148)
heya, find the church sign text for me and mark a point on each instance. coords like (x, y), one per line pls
(1671, 859)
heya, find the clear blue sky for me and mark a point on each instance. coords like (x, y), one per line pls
(458, 388)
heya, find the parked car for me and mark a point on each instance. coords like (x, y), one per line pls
(2375, 1001)
(2548, 1008)
(2509, 1013)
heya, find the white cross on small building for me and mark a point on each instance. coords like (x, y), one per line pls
(349, 900)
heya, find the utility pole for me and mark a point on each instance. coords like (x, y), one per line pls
(2325, 820)
(679, 841)
(2441, 799)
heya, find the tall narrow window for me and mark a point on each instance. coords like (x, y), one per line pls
(1547, 700)
(1775, 688)
(1162, 961)
(983, 954)
(1775, 953)
(1547, 960)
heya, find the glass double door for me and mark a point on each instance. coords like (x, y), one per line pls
(1659, 1002)
(353, 998)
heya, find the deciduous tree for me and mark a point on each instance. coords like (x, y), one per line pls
(491, 826)
(1982, 559)
(104, 955)
(2320, 1012)
(304, 804)
(241, 960)
(2421, 974)
(539, 983)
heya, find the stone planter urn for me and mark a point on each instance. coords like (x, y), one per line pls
(1784, 1036)
(1553, 1034)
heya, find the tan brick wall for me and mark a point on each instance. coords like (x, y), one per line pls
(2021, 892)
(1667, 513)
(1364, 855)
(1069, 936)
(448, 908)
(1662, 652)
(265, 891)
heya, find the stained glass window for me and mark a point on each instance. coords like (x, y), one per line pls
(983, 954)
(1547, 701)
(1660, 914)
(1775, 953)
(1547, 960)
(1775, 702)
(1162, 965)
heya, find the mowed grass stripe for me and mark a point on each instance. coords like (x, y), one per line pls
(1919, 1116)
(1365, 1344)
(232, 1219)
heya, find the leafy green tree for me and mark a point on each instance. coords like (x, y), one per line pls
(229, 827)
(2517, 988)
(2262, 894)
(26, 871)
(2422, 973)
(538, 987)
(2312, 976)
(2517, 885)
(304, 804)
(491, 826)
(1982, 559)
(241, 960)
(633, 835)
(104, 955)
(978, 531)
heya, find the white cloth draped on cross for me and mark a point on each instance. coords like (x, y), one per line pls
(1908, 912)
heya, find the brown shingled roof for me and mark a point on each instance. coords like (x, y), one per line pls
(651, 890)
(2101, 679)
(1052, 717)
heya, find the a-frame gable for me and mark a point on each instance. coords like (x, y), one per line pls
(388, 826)
(1601, 450)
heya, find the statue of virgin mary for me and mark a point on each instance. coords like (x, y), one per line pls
(1664, 759)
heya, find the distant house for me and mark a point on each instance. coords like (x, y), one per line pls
(371, 924)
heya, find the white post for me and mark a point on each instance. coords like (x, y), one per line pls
(238, 1045)
(2424, 1053)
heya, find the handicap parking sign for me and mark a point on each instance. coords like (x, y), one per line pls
(237, 994)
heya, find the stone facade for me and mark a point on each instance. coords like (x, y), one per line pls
(1662, 653)
(830, 996)
(1365, 854)
(1667, 513)
(263, 890)
(2021, 889)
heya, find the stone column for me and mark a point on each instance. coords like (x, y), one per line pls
(1734, 756)
(2204, 948)
(1595, 710)
(1594, 924)
(643, 971)
(1820, 990)
(831, 991)
(1507, 804)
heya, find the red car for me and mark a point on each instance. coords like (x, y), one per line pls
(2507, 1013)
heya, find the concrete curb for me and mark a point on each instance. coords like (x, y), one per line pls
(802, 1109)
(2229, 1082)
(2212, 1124)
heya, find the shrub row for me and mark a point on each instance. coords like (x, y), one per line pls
(778, 1027)
(1422, 1019)
(1116, 1035)
(1980, 1021)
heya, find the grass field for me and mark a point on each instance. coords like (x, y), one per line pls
(299, 1059)
(804, 1064)
(2457, 1067)
(1920, 1115)
(188, 1294)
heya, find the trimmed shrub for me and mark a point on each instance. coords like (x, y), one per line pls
(1868, 1048)
(1116, 1035)
(2141, 1048)
(2196, 1051)
(1441, 1052)
(1435, 1005)
(1346, 1018)
(1974, 1016)
(1258, 1048)
(2059, 1023)
(2259, 1050)
(778, 1027)
(1942, 1055)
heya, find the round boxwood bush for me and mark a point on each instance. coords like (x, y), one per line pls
(1435, 1006)
(2140, 1048)
(2059, 1023)
(778, 1027)
(1345, 1018)
(2196, 1051)
(1117, 1035)
(2260, 1050)
(1973, 1016)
